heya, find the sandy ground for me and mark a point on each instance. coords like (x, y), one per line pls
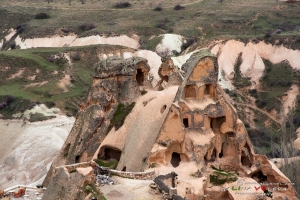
(64, 83)
(289, 100)
(185, 178)
(128, 189)
(27, 150)
(12, 32)
(17, 75)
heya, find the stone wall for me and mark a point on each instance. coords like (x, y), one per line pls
(150, 175)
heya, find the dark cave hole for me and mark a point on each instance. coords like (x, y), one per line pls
(175, 159)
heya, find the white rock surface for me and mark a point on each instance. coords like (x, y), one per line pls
(252, 54)
(27, 150)
(169, 43)
(154, 62)
(73, 40)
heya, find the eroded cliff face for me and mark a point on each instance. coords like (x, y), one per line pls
(202, 127)
(191, 129)
(116, 81)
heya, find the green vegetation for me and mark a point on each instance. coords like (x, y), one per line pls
(219, 176)
(73, 171)
(91, 189)
(152, 43)
(111, 163)
(277, 79)
(33, 75)
(120, 116)
(239, 81)
(35, 117)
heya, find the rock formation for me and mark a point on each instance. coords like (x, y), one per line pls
(116, 81)
(192, 130)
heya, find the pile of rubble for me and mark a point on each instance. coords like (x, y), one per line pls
(104, 179)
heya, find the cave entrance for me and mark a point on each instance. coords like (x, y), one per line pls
(215, 123)
(245, 157)
(190, 92)
(139, 76)
(124, 169)
(175, 160)
(259, 177)
(110, 153)
(77, 158)
(185, 122)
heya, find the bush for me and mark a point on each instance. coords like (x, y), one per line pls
(42, 16)
(66, 30)
(87, 26)
(76, 56)
(178, 7)
(163, 24)
(188, 43)
(122, 4)
(20, 28)
(158, 8)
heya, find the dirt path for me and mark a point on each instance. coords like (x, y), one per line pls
(128, 189)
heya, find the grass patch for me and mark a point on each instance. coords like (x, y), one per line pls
(111, 164)
(36, 117)
(277, 79)
(120, 116)
(219, 176)
(238, 80)
(152, 43)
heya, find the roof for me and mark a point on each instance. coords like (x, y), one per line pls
(116, 66)
(189, 66)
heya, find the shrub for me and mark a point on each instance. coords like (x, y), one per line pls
(42, 16)
(178, 7)
(163, 24)
(158, 8)
(188, 43)
(66, 30)
(76, 56)
(20, 28)
(87, 26)
(9, 99)
(122, 4)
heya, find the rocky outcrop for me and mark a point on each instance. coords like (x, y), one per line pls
(116, 81)
(192, 130)
(168, 73)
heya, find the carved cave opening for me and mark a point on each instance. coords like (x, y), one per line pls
(139, 76)
(185, 122)
(215, 123)
(175, 160)
(210, 158)
(245, 156)
(208, 90)
(110, 153)
(221, 153)
(162, 110)
(124, 169)
(190, 92)
(259, 176)
(77, 159)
